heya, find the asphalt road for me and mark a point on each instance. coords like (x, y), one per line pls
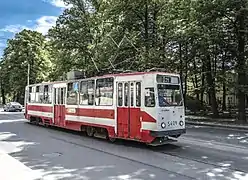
(202, 153)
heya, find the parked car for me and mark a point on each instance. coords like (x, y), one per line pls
(13, 107)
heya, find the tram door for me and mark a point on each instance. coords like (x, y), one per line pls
(59, 106)
(128, 109)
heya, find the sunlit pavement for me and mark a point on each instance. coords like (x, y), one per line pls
(20, 171)
(203, 153)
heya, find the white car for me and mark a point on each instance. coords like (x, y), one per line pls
(13, 107)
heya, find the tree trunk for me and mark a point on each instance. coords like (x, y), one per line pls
(246, 102)
(209, 98)
(181, 68)
(223, 85)
(146, 23)
(196, 82)
(241, 65)
(154, 27)
(211, 84)
(3, 93)
(186, 73)
(185, 88)
(202, 84)
(224, 97)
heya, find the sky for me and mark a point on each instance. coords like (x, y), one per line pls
(16, 15)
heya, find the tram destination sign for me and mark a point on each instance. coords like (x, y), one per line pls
(167, 79)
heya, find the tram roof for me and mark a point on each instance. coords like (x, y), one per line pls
(107, 75)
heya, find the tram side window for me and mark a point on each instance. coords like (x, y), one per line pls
(104, 92)
(45, 95)
(91, 92)
(37, 94)
(84, 93)
(32, 94)
(50, 89)
(138, 94)
(72, 93)
(132, 94)
(41, 94)
(29, 94)
(47, 99)
(120, 94)
(149, 97)
(126, 94)
(87, 90)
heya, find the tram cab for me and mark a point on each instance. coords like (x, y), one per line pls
(168, 104)
(161, 110)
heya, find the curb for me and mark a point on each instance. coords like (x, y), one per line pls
(239, 127)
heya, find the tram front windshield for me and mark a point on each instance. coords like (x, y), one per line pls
(169, 95)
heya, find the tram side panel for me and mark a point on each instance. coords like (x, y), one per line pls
(39, 112)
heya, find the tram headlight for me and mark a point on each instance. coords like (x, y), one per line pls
(181, 123)
(163, 125)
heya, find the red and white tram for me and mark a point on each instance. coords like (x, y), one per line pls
(143, 106)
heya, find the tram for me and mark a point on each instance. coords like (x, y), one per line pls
(142, 106)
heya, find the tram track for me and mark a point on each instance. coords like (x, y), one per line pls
(122, 157)
(230, 168)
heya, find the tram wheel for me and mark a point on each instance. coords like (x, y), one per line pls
(90, 131)
(111, 139)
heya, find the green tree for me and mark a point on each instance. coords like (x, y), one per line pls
(26, 48)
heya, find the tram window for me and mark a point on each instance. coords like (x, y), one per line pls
(41, 94)
(126, 91)
(91, 92)
(37, 94)
(132, 94)
(138, 94)
(62, 96)
(120, 94)
(104, 92)
(55, 96)
(29, 94)
(49, 99)
(87, 92)
(59, 95)
(47, 94)
(149, 97)
(72, 93)
(84, 93)
(32, 94)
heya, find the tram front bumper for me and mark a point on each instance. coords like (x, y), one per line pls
(172, 133)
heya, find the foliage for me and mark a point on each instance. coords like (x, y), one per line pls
(205, 41)
(27, 47)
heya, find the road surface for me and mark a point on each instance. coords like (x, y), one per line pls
(202, 153)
